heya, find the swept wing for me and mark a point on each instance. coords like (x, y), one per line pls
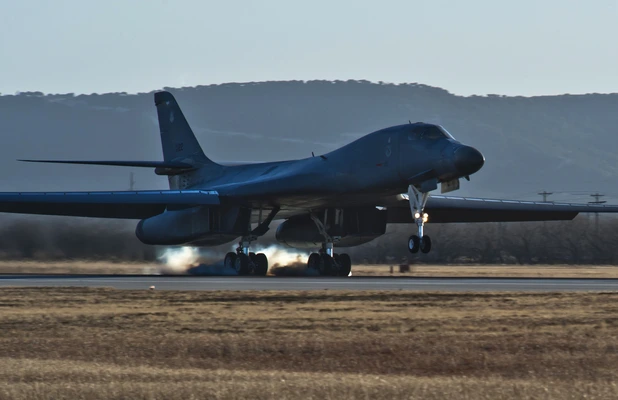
(475, 209)
(120, 204)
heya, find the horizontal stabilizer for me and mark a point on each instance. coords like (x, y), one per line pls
(145, 164)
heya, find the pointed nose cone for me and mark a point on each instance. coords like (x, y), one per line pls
(468, 160)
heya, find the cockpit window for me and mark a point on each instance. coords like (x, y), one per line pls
(420, 131)
(447, 133)
(429, 132)
(432, 133)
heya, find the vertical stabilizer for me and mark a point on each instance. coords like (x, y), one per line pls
(179, 143)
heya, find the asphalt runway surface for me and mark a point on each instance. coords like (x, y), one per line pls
(137, 282)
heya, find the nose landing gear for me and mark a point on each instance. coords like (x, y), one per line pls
(418, 200)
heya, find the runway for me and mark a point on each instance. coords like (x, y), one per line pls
(137, 282)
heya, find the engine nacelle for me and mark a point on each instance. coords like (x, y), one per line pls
(208, 226)
(354, 227)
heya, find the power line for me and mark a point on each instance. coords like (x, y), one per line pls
(544, 194)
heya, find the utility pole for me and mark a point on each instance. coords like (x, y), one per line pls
(597, 200)
(545, 194)
(131, 182)
(597, 196)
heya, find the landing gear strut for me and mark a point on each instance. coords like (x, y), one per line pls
(326, 262)
(418, 200)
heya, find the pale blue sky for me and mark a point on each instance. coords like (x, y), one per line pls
(522, 47)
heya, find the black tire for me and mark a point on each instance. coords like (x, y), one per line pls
(261, 264)
(345, 265)
(327, 266)
(425, 244)
(314, 261)
(242, 264)
(336, 264)
(230, 259)
(252, 263)
(336, 258)
(414, 243)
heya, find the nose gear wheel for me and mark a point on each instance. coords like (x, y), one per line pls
(418, 200)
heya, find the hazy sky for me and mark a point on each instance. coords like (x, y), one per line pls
(525, 47)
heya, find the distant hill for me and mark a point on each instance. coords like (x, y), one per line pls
(558, 143)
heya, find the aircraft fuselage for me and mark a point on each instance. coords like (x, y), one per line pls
(387, 160)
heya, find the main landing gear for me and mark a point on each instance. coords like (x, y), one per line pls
(418, 199)
(326, 262)
(245, 262)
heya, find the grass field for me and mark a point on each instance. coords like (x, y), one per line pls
(105, 267)
(538, 271)
(103, 343)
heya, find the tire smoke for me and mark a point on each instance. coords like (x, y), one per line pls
(188, 260)
(178, 260)
(286, 262)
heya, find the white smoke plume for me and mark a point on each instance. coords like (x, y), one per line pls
(282, 257)
(182, 260)
(199, 261)
(177, 260)
(286, 262)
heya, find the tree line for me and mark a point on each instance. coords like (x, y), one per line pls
(581, 241)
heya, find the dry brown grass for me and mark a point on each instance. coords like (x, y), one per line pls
(537, 271)
(77, 267)
(103, 343)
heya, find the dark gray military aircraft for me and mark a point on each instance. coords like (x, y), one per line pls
(344, 198)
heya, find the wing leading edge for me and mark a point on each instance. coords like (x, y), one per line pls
(474, 209)
(123, 204)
